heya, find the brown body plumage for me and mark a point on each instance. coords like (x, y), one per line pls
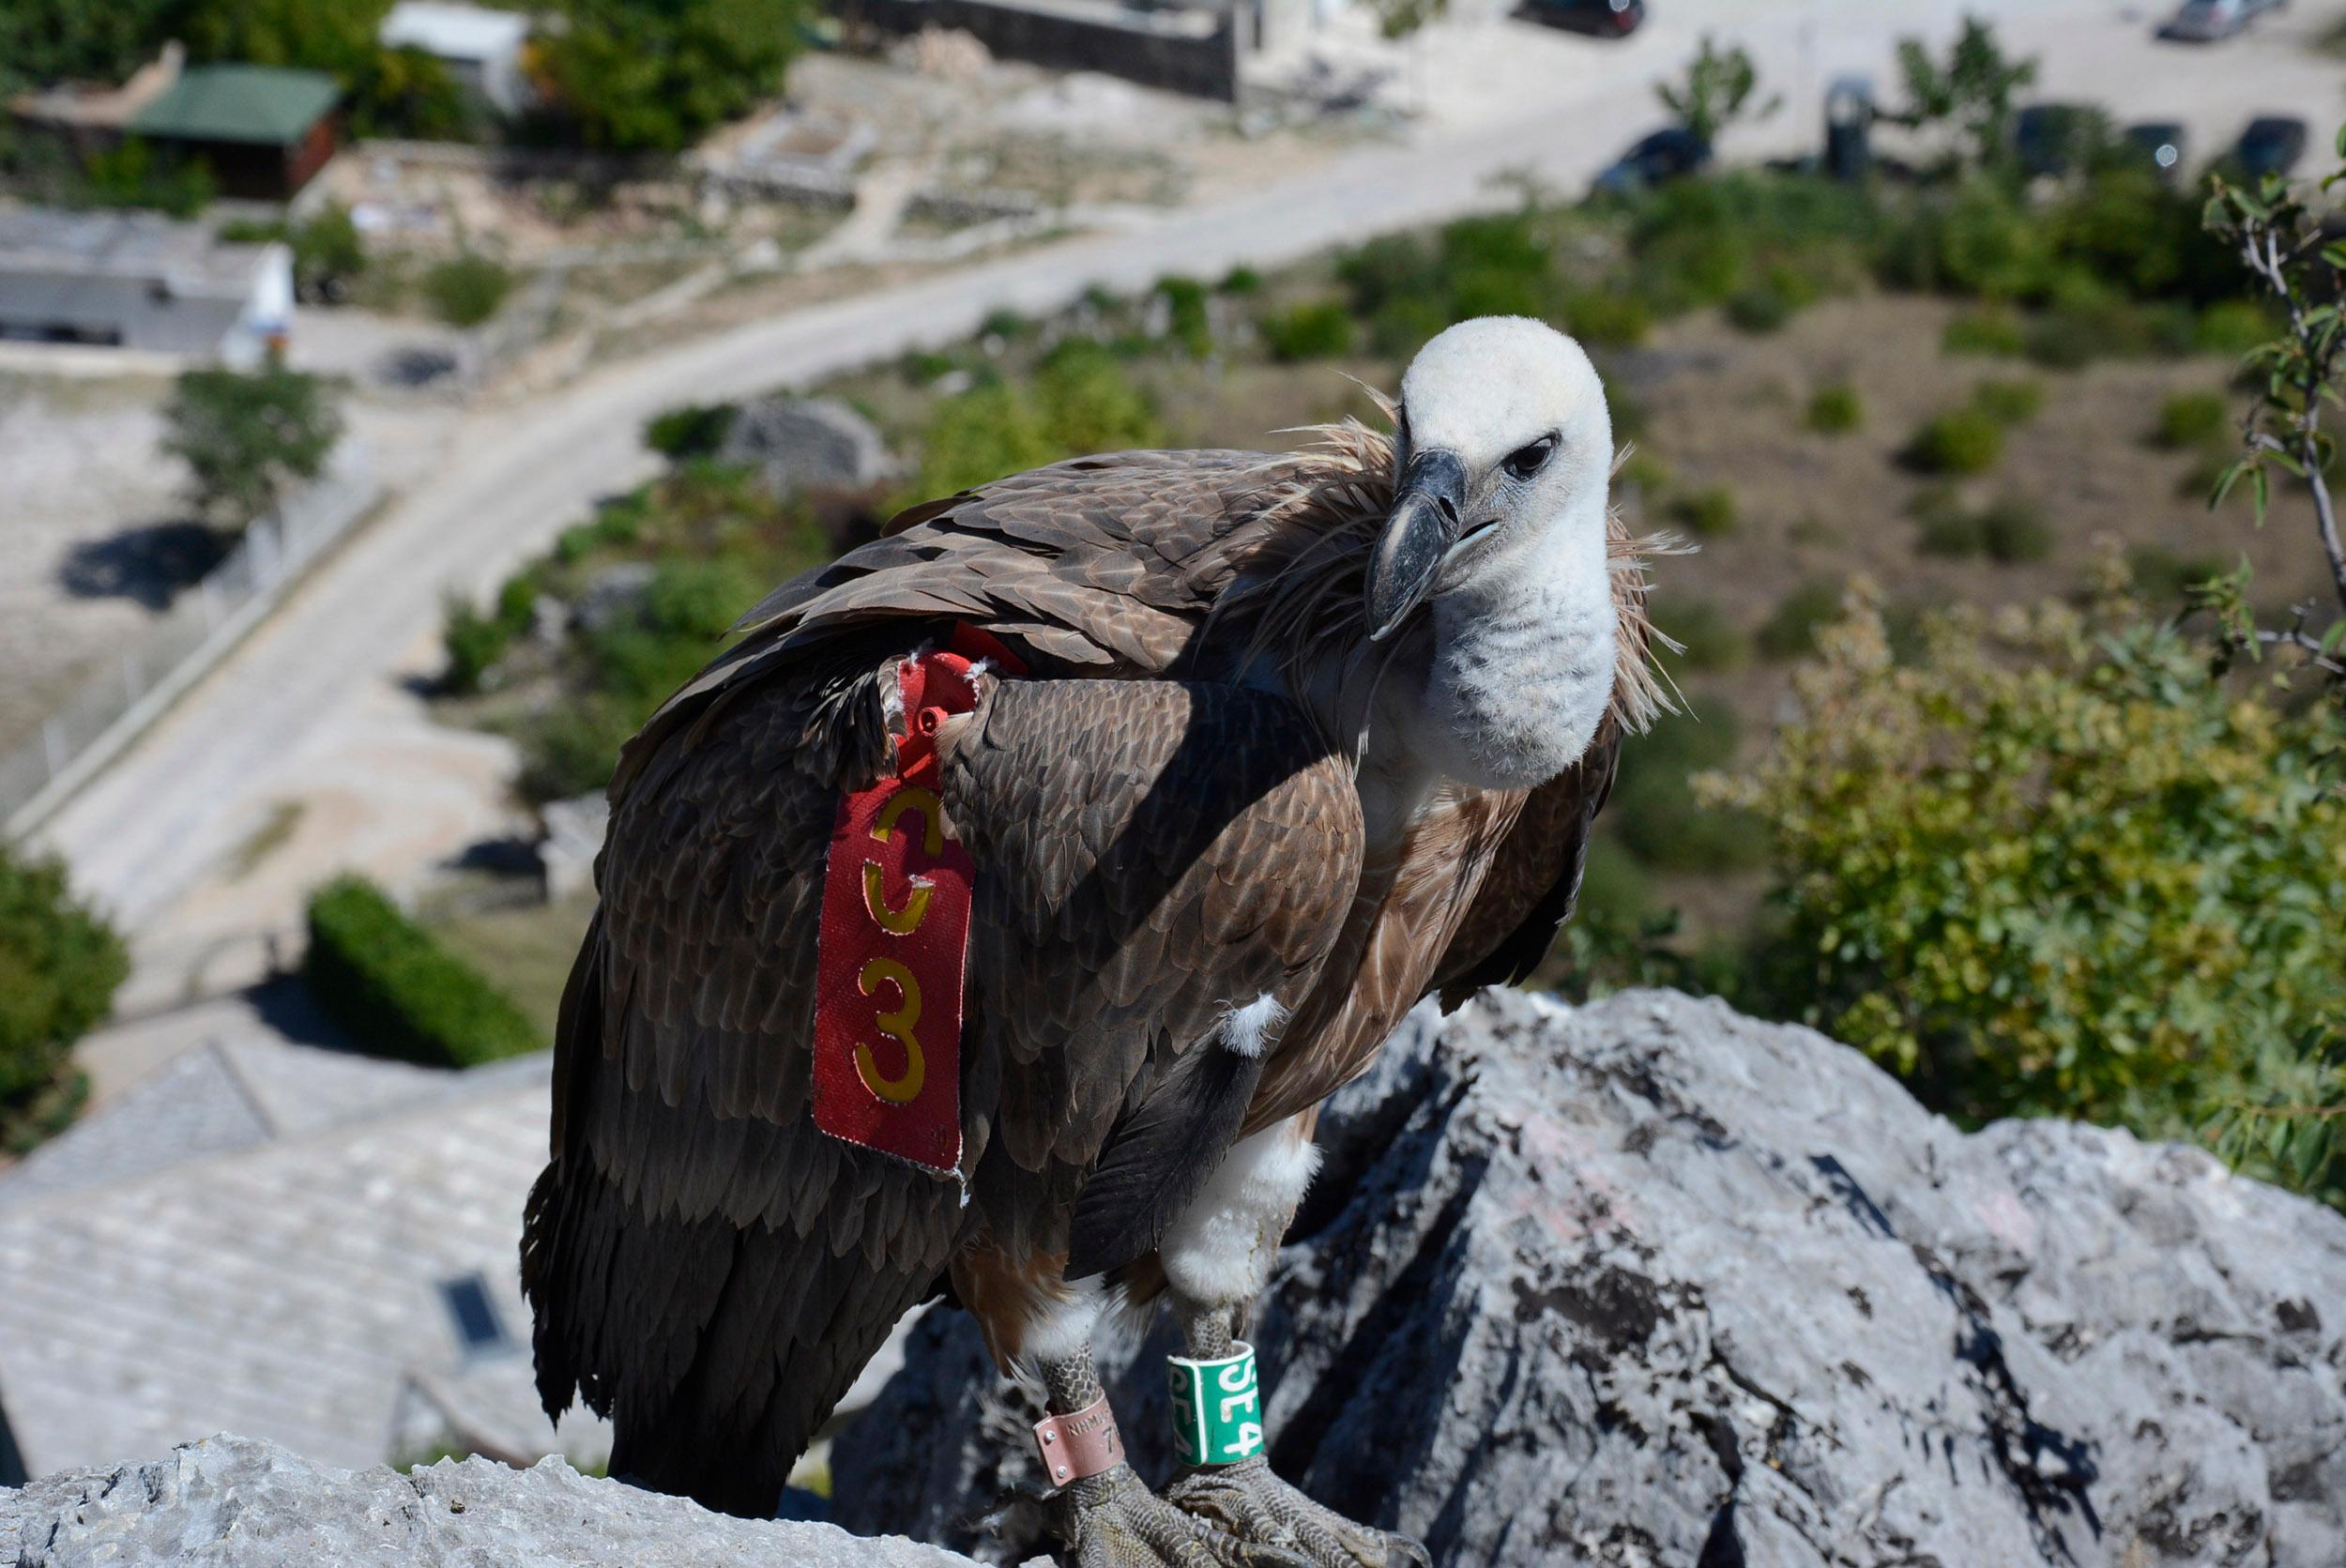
(1157, 839)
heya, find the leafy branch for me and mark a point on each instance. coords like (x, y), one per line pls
(2280, 241)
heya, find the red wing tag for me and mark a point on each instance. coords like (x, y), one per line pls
(895, 939)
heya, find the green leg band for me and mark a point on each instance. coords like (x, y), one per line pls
(1217, 1408)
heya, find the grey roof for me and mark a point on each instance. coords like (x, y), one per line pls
(275, 1266)
(213, 1100)
(145, 246)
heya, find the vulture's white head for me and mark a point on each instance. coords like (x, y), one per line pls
(1498, 532)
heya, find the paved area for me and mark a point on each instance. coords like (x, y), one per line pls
(319, 706)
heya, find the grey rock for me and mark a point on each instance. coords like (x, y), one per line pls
(611, 594)
(574, 830)
(1648, 1282)
(803, 444)
(229, 1499)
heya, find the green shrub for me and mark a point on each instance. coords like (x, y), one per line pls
(2160, 575)
(1653, 808)
(1965, 440)
(2064, 869)
(1188, 322)
(247, 438)
(1761, 308)
(329, 255)
(1607, 318)
(1240, 281)
(398, 993)
(1708, 513)
(1790, 631)
(1004, 323)
(1953, 532)
(1988, 329)
(2009, 402)
(695, 430)
(2232, 327)
(473, 643)
(2190, 419)
(1320, 329)
(465, 290)
(60, 963)
(2014, 533)
(1711, 641)
(1835, 410)
(2070, 337)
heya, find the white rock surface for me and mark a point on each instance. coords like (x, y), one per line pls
(230, 1500)
(1650, 1283)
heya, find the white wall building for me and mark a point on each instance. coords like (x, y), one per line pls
(137, 281)
(482, 49)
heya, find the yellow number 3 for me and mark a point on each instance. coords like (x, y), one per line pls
(898, 1025)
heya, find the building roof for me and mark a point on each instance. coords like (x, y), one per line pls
(265, 105)
(453, 32)
(145, 246)
(280, 1241)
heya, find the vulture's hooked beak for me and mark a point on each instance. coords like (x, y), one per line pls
(1427, 520)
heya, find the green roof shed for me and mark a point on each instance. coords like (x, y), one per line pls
(255, 105)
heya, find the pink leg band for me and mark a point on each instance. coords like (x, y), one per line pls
(1083, 1443)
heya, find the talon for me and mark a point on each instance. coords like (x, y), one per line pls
(1247, 1502)
(1111, 1520)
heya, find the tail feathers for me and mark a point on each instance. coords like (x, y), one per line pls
(717, 1351)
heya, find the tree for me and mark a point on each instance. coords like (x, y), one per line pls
(59, 965)
(247, 438)
(1972, 93)
(46, 42)
(389, 91)
(1719, 86)
(2282, 242)
(636, 76)
(2057, 865)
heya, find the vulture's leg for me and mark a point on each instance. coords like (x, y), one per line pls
(1111, 1520)
(1217, 1260)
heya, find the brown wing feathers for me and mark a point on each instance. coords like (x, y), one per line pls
(707, 1267)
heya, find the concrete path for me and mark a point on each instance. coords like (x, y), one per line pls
(319, 705)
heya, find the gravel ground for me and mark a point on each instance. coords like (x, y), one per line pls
(93, 532)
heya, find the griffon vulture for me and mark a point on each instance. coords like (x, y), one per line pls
(993, 916)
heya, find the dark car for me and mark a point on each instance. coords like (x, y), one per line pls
(2271, 145)
(2161, 145)
(1605, 19)
(2057, 138)
(1665, 155)
(2205, 20)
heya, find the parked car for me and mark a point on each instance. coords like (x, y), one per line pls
(1604, 19)
(2160, 144)
(2205, 20)
(2271, 145)
(2058, 138)
(1655, 160)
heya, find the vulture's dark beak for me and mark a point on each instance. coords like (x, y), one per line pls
(1426, 520)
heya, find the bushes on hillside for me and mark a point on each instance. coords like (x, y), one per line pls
(398, 992)
(1835, 410)
(1319, 329)
(59, 965)
(695, 430)
(466, 289)
(2058, 868)
(657, 75)
(1080, 400)
(2190, 419)
(1967, 440)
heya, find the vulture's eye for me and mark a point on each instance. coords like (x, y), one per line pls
(1526, 461)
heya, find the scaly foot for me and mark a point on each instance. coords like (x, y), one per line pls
(1247, 1502)
(1111, 1520)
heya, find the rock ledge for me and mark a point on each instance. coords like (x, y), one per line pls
(229, 1499)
